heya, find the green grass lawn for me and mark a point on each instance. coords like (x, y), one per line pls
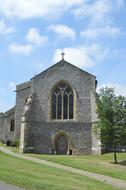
(13, 149)
(102, 164)
(34, 176)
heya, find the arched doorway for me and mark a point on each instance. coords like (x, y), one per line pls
(61, 144)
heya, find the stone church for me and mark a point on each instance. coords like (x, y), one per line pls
(55, 112)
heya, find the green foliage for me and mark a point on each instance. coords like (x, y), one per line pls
(111, 112)
(15, 143)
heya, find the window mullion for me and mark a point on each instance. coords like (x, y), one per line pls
(68, 107)
(56, 106)
(62, 106)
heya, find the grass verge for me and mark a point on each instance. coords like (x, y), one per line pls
(34, 176)
(99, 164)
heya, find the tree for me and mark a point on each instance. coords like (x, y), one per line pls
(111, 112)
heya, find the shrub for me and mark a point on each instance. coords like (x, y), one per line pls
(15, 143)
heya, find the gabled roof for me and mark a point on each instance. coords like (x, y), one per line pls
(10, 112)
(62, 62)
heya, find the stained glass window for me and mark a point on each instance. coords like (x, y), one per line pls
(62, 102)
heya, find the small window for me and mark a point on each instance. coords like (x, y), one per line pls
(12, 124)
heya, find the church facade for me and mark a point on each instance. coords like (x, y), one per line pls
(55, 113)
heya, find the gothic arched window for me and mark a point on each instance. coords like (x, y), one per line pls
(12, 124)
(62, 102)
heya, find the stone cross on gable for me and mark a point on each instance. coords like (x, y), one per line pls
(62, 55)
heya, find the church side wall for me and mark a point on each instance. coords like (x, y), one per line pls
(21, 96)
(9, 135)
(5, 122)
(2, 120)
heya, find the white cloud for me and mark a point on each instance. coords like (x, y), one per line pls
(96, 11)
(25, 9)
(99, 18)
(17, 48)
(63, 31)
(119, 88)
(94, 32)
(4, 29)
(120, 3)
(82, 56)
(34, 37)
(12, 86)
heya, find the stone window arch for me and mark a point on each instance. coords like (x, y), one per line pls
(62, 102)
(12, 125)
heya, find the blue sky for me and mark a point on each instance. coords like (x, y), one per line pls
(33, 33)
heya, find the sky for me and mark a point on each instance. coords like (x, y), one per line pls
(33, 33)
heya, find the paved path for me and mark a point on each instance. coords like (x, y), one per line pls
(5, 186)
(120, 184)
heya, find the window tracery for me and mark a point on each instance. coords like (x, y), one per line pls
(62, 102)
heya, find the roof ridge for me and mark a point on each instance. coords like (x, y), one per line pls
(59, 62)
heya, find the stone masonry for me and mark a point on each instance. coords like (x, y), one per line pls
(37, 131)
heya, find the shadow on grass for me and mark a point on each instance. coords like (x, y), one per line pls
(122, 163)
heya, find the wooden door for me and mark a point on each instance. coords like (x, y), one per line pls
(61, 145)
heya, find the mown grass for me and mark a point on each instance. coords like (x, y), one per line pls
(34, 176)
(13, 149)
(102, 164)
